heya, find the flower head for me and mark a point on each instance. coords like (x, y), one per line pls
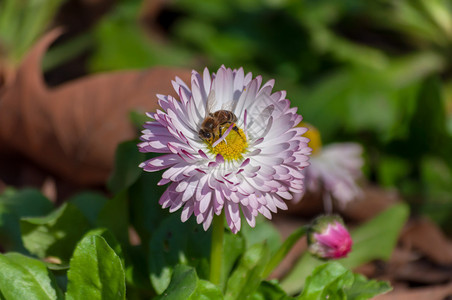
(334, 168)
(229, 144)
(328, 238)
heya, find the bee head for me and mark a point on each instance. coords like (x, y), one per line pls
(205, 135)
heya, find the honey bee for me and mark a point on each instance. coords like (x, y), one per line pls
(216, 123)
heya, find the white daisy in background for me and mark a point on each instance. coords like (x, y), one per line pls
(229, 144)
(334, 170)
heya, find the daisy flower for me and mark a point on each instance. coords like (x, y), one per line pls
(230, 145)
(334, 170)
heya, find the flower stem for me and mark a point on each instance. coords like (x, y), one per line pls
(216, 251)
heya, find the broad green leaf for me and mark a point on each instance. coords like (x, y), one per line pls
(185, 284)
(55, 234)
(115, 217)
(374, 239)
(15, 204)
(10, 231)
(206, 291)
(110, 239)
(176, 243)
(327, 282)
(283, 250)
(96, 271)
(377, 238)
(333, 281)
(126, 171)
(23, 277)
(90, 204)
(27, 203)
(270, 290)
(366, 289)
(246, 278)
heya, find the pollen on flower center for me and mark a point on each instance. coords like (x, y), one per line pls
(233, 146)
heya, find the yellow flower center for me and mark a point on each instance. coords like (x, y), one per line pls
(314, 135)
(232, 147)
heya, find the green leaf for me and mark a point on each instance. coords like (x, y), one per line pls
(186, 285)
(176, 243)
(247, 277)
(96, 271)
(333, 281)
(327, 282)
(15, 204)
(27, 203)
(283, 250)
(23, 277)
(10, 231)
(55, 234)
(270, 290)
(90, 204)
(110, 239)
(373, 240)
(115, 217)
(125, 171)
(366, 289)
(377, 238)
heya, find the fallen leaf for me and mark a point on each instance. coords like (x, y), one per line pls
(428, 293)
(73, 130)
(422, 272)
(374, 201)
(425, 236)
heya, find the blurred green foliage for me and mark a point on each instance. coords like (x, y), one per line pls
(22, 22)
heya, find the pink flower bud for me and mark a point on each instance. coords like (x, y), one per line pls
(328, 238)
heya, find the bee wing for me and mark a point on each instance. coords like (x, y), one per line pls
(228, 106)
(211, 101)
(262, 109)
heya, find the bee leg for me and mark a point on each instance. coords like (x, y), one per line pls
(236, 129)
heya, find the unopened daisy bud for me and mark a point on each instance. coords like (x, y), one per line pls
(328, 238)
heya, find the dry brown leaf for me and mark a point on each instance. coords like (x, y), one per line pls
(422, 272)
(374, 201)
(428, 293)
(426, 237)
(74, 129)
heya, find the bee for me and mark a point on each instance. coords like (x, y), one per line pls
(215, 124)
